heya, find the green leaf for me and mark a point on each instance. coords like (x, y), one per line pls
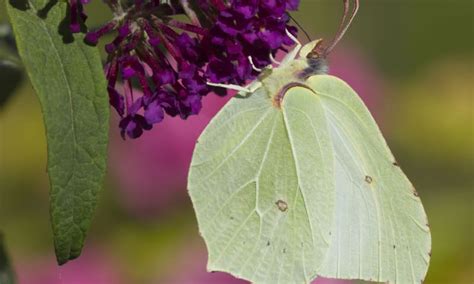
(68, 79)
(286, 188)
(7, 275)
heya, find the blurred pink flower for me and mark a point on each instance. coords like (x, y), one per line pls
(92, 267)
(190, 268)
(150, 172)
(330, 281)
(355, 68)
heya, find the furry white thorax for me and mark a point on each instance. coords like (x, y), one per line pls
(291, 70)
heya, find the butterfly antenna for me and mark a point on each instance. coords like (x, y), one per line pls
(343, 27)
(300, 27)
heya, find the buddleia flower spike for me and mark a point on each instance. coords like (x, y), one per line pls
(172, 61)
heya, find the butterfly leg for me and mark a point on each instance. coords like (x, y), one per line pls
(253, 65)
(274, 61)
(230, 87)
(252, 87)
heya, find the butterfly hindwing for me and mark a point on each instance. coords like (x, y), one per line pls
(380, 231)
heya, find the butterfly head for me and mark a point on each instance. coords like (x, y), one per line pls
(315, 56)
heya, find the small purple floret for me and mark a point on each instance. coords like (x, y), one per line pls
(154, 112)
(77, 15)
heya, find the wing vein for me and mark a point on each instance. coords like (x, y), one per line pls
(246, 137)
(298, 177)
(234, 236)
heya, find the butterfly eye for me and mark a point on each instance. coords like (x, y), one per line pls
(315, 53)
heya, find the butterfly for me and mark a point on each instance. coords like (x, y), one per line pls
(293, 179)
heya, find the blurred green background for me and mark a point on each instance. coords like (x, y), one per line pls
(410, 60)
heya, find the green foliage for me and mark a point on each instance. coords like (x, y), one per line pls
(11, 74)
(286, 189)
(10, 79)
(68, 79)
(415, 28)
(7, 275)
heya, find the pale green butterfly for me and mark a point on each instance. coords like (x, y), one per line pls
(292, 179)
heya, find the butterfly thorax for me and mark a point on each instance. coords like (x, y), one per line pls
(276, 81)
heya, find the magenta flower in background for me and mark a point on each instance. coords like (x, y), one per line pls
(356, 69)
(190, 268)
(93, 267)
(151, 172)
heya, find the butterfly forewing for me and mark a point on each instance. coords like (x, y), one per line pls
(262, 190)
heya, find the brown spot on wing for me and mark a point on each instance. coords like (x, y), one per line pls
(282, 205)
(369, 179)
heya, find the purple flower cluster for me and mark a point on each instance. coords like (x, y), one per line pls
(166, 65)
(247, 32)
(172, 61)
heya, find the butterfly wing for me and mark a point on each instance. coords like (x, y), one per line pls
(262, 188)
(283, 194)
(380, 231)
